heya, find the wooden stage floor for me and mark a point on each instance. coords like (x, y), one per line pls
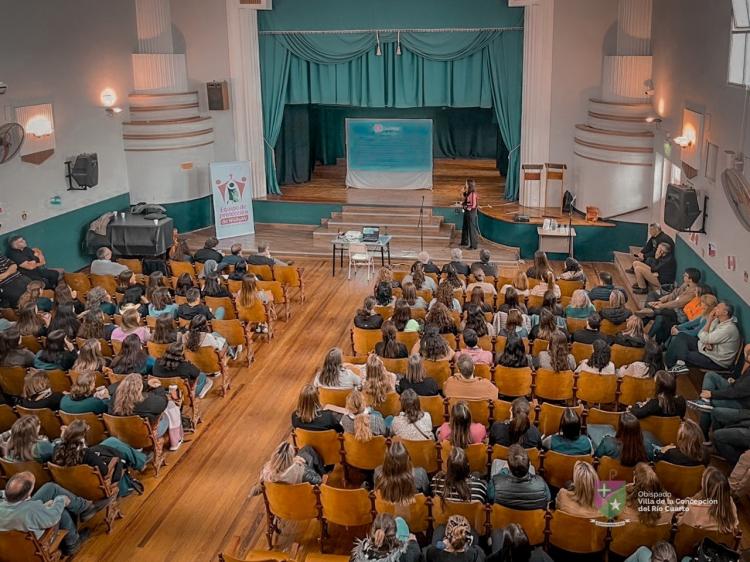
(200, 505)
(328, 186)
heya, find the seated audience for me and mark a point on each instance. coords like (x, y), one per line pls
(512, 543)
(573, 271)
(390, 347)
(647, 501)
(460, 431)
(440, 318)
(412, 423)
(402, 317)
(665, 403)
(591, 332)
(385, 275)
(132, 358)
(335, 374)
(12, 283)
(33, 295)
(183, 284)
(57, 353)
(23, 442)
(451, 278)
(489, 268)
(475, 297)
(569, 440)
(540, 266)
(360, 420)
(213, 287)
(366, 317)
(544, 325)
(454, 542)
(416, 379)
(50, 506)
(579, 498)
(384, 294)
(715, 347)
(691, 327)
(547, 284)
(64, 318)
(514, 355)
(31, 262)
(479, 276)
(512, 323)
(131, 325)
(427, 264)
(444, 296)
(599, 362)
(627, 443)
(165, 331)
(174, 364)
(133, 293)
(179, 250)
(396, 480)
(478, 355)
(90, 358)
(713, 508)
(456, 482)
(384, 542)
(419, 279)
(602, 291)
(37, 392)
(198, 335)
(310, 415)
(557, 356)
(652, 362)
(162, 304)
(476, 321)
(516, 485)
(233, 258)
(465, 386)
(632, 335)
(95, 324)
(378, 382)
(99, 299)
(263, 257)
(12, 354)
(517, 429)
(670, 306)
(411, 297)
(520, 285)
(65, 295)
(208, 252)
(31, 323)
(194, 307)
(687, 449)
(655, 272)
(656, 236)
(103, 264)
(84, 397)
(580, 306)
(616, 312)
(287, 467)
(457, 262)
(432, 346)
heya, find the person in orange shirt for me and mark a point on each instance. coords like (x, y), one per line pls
(668, 310)
(465, 386)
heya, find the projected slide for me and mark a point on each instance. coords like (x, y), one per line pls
(389, 153)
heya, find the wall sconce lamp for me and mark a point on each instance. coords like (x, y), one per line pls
(108, 98)
(39, 126)
(683, 141)
(652, 119)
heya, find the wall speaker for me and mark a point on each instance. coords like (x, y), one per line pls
(85, 170)
(681, 207)
(218, 95)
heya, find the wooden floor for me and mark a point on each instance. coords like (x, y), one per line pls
(200, 504)
(328, 186)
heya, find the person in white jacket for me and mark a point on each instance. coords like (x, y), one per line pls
(715, 347)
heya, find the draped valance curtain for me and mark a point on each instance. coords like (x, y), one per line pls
(479, 68)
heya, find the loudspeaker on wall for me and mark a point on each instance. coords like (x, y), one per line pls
(218, 95)
(681, 207)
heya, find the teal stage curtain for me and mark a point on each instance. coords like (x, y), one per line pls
(454, 69)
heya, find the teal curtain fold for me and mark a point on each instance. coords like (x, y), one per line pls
(447, 46)
(327, 48)
(275, 60)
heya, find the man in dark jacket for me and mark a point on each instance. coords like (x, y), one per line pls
(263, 257)
(457, 262)
(31, 262)
(427, 264)
(655, 272)
(484, 263)
(656, 236)
(209, 252)
(518, 487)
(591, 332)
(602, 291)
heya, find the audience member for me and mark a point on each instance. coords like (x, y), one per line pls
(460, 431)
(411, 297)
(23, 442)
(378, 382)
(12, 282)
(390, 347)
(627, 445)
(174, 364)
(440, 318)
(94, 324)
(31, 322)
(335, 374)
(179, 250)
(545, 285)
(691, 327)
(456, 482)
(665, 402)
(57, 353)
(655, 272)
(165, 331)
(569, 440)
(37, 392)
(671, 304)
(514, 354)
(184, 283)
(233, 258)
(520, 284)
(451, 278)
(517, 429)
(656, 236)
(475, 320)
(512, 543)
(103, 264)
(132, 358)
(444, 296)
(418, 278)
(515, 484)
(489, 268)
(432, 346)
(557, 356)
(65, 319)
(208, 251)
(540, 266)
(98, 298)
(602, 291)
(402, 317)
(454, 542)
(412, 423)
(579, 498)
(713, 508)
(478, 355)
(662, 551)
(479, 281)
(310, 415)
(580, 306)
(632, 335)
(457, 262)
(360, 420)
(366, 317)
(12, 354)
(573, 271)
(383, 543)
(475, 297)
(646, 501)
(687, 450)
(397, 480)
(193, 307)
(616, 312)
(416, 379)
(591, 332)
(652, 362)
(131, 324)
(90, 358)
(84, 397)
(465, 386)
(263, 257)
(31, 261)
(599, 363)
(427, 264)
(287, 467)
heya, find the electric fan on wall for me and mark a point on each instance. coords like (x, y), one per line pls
(11, 139)
(736, 185)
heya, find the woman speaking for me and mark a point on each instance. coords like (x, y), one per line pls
(470, 229)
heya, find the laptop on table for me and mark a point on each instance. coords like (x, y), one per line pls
(370, 234)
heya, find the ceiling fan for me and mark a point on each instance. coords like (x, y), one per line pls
(736, 185)
(11, 139)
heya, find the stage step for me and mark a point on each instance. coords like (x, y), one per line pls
(624, 261)
(404, 238)
(343, 226)
(385, 210)
(375, 219)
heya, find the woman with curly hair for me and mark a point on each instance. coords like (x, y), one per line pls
(94, 324)
(174, 364)
(475, 321)
(33, 295)
(452, 278)
(30, 322)
(378, 381)
(384, 275)
(388, 541)
(444, 295)
(647, 501)
(459, 542)
(599, 362)
(440, 317)
(432, 346)
(99, 299)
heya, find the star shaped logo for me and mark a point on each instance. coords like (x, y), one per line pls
(610, 497)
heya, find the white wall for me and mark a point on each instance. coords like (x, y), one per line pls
(691, 52)
(584, 31)
(64, 53)
(200, 31)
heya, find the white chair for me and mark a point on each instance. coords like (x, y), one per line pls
(360, 255)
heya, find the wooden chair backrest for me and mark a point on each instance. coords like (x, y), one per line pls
(576, 534)
(258, 312)
(426, 295)
(50, 423)
(435, 405)
(408, 339)
(224, 302)
(82, 480)
(333, 396)
(288, 275)
(687, 539)
(451, 340)
(513, 381)
(596, 389)
(105, 345)
(391, 406)
(550, 385)
(599, 304)
(116, 346)
(398, 366)
(610, 328)
(133, 430)
(275, 288)
(663, 428)
(294, 502)
(476, 453)
(423, 453)
(264, 272)
(134, 265)
(234, 331)
(179, 267)
(575, 324)
(606, 417)
(634, 390)
(415, 514)
(473, 511)
(205, 358)
(156, 350)
(350, 508)
(567, 288)
(558, 468)
(11, 380)
(40, 472)
(549, 417)
(365, 455)
(483, 371)
(501, 410)
(581, 351)
(623, 355)
(680, 481)
(263, 556)
(538, 346)
(59, 381)
(534, 301)
(363, 341)
(31, 343)
(24, 546)
(532, 520)
(480, 409)
(326, 443)
(501, 452)
(627, 539)
(611, 469)
(438, 370)
(7, 417)
(78, 282)
(107, 282)
(96, 432)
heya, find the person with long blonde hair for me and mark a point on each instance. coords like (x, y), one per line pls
(633, 335)
(580, 498)
(310, 415)
(547, 283)
(580, 306)
(23, 442)
(520, 284)
(249, 292)
(416, 378)
(360, 420)
(334, 373)
(397, 480)
(713, 508)
(688, 447)
(90, 357)
(645, 494)
(287, 467)
(84, 397)
(378, 381)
